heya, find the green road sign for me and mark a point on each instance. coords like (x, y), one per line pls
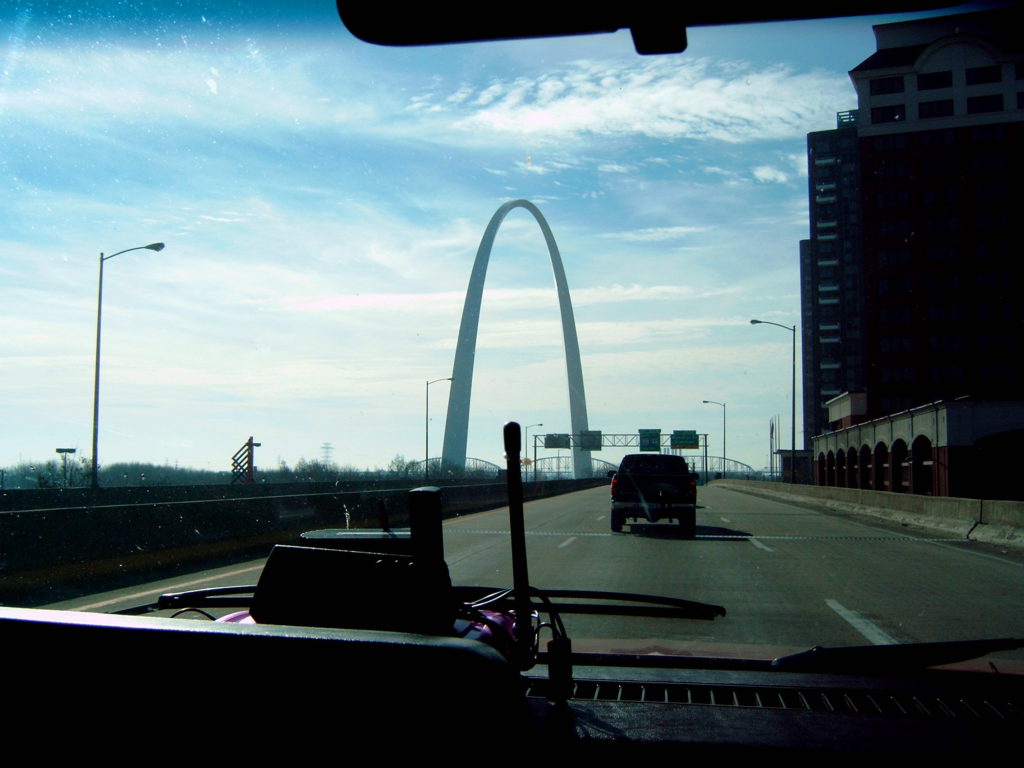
(556, 441)
(590, 440)
(650, 440)
(685, 438)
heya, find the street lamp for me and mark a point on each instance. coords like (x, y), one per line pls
(715, 402)
(96, 383)
(792, 449)
(426, 429)
(526, 445)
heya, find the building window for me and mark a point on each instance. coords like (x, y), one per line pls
(827, 160)
(987, 133)
(927, 110)
(890, 256)
(942, 138)
(883, 85)
(946, 372)
(929, 81)
(897, 374)
(894, 228)
(888, 143)
(941, 253)
(897, 344)
(894, 113)
(893, 198)
(979, 75)
(824, 300)
(979, 104)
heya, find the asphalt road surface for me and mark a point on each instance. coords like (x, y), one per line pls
(789, 577)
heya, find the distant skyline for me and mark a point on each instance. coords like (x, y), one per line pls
(322, 200)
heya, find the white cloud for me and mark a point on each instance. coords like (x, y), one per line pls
(655, 234)
(799, 162)
(767, 173)
(663, 98)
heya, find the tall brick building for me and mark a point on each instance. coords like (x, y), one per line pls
(921, 277)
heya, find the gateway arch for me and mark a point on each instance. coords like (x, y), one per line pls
(456, 429)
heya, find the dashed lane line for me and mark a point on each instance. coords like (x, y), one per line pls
(869, 629)
(714, 537)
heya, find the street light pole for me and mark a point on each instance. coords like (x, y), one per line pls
(526, 447)
(426, 429)
(96, 383)
(792, 449)
(724, 454)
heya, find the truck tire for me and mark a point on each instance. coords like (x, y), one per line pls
(618, 518)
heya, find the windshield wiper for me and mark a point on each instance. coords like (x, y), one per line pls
(211, 597)
(892, 658)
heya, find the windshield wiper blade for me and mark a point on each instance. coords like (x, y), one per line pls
(670, 606)
(212, 597)
(646, 605)
(892, 658)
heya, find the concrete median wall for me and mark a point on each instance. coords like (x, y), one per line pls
(118, 532)
(984, 520)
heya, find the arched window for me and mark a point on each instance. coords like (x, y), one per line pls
(922, 466)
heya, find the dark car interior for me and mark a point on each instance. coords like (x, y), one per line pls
(141, 681)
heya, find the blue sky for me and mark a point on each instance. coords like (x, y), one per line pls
(322, 200)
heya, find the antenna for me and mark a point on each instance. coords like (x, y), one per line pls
(517, 530)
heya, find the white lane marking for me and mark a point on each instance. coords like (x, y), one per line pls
(528, 533)
(132, 599)
(862, 625)
(956, 545)
(567, 542)
(759, 545)
(725, 520)
(600, 518)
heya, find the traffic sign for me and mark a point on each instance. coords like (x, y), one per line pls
(685, 438)
(590, 440)
(556, 441)
(650, 440)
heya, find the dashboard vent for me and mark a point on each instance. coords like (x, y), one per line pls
(849, 701)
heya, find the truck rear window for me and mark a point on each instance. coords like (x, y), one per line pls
(654, 465)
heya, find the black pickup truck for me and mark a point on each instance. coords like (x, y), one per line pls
(654, 487)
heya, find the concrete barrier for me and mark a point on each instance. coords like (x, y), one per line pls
(1000, 522)
(119, 532)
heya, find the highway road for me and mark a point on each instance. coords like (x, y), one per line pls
(789, 577)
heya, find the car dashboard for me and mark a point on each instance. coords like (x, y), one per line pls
(201, 679)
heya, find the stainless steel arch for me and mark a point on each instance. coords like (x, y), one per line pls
(456, 430)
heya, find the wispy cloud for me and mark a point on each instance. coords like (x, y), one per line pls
(655, 234)
(767, 173)
(664, 98)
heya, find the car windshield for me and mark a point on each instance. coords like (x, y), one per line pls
(251, 264)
